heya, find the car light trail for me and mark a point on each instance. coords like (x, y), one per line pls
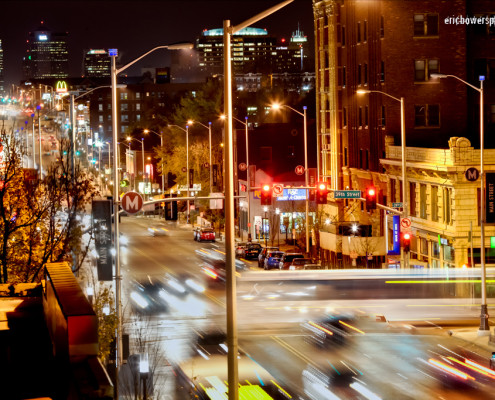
(474, 367)
(364, 391)
(320, 328)
(449, 369)
(352, 327)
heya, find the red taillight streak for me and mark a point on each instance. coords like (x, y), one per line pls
(450, 370)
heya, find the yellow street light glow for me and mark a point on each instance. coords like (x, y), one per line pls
(190, 122)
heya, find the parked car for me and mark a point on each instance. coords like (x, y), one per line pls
(252, 250)
(203, 233)
(273, 259)
(239, 249)
(299, 263)
(287, 259)
(262, 255)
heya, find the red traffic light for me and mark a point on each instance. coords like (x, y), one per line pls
(370, 198)
(407, 236)
(321, 193)
(266, 195)
(322, 186)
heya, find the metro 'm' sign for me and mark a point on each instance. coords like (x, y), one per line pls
(132, 202)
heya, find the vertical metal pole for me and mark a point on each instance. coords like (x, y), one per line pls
(209, 144)
(34, 145)
(231, 298)
(116, 204)
(163, 172)
(187, 172)
(144, 175)
(484, 326)
(404, 255)
(248, 183)
(73, 134)
(39, 135)
(306, 177)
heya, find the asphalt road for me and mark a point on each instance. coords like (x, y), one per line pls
(392, 360)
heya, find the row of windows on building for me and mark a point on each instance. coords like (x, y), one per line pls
(424, 25)
(419, 198)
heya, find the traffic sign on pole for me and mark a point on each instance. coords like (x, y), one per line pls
(278, 190)
(132, 202)
(347, 194)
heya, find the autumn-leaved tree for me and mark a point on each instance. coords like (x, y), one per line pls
(40, 219)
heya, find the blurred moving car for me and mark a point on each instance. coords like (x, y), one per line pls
(262, 255)
(239, 249)
(203, 234)
(272, 259)
(333, 329)
(287, 259)
(205, 373)
(148, 296)
(319, 382)
(252, 250)
(157, 231)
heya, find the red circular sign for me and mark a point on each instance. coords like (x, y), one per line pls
(132, 202)
(299, 170)
(242, 166)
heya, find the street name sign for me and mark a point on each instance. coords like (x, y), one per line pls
(346, 194)
(397, 205)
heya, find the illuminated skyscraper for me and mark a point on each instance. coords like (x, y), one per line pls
(47, 55)
(96, 63)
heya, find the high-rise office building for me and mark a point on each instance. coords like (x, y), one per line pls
(47, 55)
(96, 63)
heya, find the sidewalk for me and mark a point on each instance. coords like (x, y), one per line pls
(487, 343)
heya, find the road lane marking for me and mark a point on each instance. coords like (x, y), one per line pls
(215, 300)
(294, 351)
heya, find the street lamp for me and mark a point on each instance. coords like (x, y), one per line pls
(231, 301)
(142, 158)
(187, 163)
(114, 72)
(404, 256)
(247, 173)
(161, 145)
(484, 328)
(303, 114)
(190, 122)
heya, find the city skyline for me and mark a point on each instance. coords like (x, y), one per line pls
(162, 22)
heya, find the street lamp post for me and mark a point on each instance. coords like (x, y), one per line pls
(190, 122)
(187, 164)
(277, 211)
(306, 176)
(404, 256)
(114, 72)
(228, 31)
(484, 328)
(161, 145)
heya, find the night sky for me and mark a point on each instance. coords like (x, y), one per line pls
(135, 27)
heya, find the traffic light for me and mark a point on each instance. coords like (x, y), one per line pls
(406, 242)
(266, 195)
(171, 180)
(370, 198)
(321, 193)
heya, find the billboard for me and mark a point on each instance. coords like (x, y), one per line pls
(102, 225)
